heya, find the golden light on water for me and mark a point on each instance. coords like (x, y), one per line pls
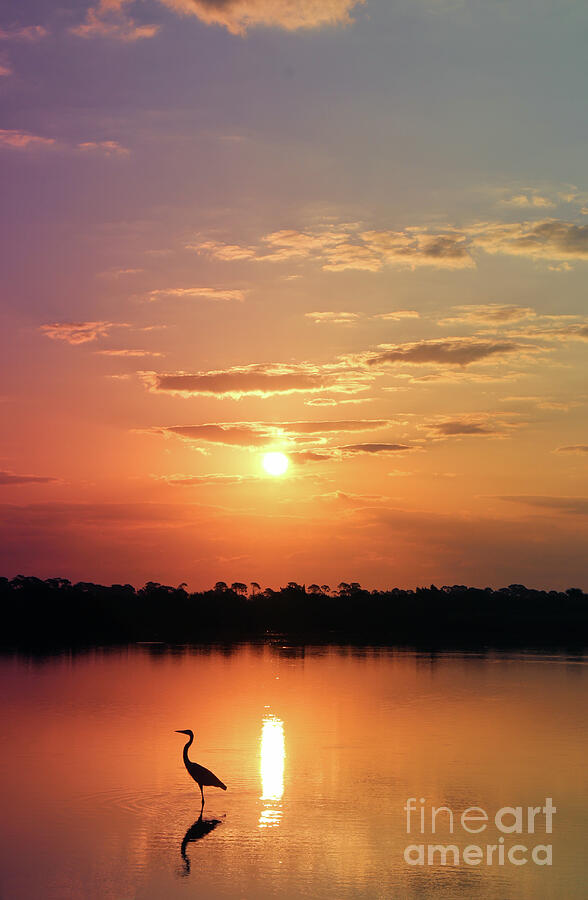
(271, 766)
(275, 463)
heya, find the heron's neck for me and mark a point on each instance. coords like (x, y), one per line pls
(186, 748)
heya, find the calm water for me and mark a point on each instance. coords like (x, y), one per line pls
(320, 751)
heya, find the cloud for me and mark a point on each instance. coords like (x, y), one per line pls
(397, 315)
(329, 427)
(109, 148)
(494, 313)
(29, 33)
(9, 478)
(542, 402)
(117, 273)
(220, 250)
(258, 434)
(5, 69)
(79, 332)
(260, 380)
(350, 246)
(348, 451)
(573, 448)
(304, 456)
(529, 199)
(464, 426)
(24, 140)
(333, 401)
(416, 247)
(213, 478)
(108, 19)
(577, 506)
(450, 352)
(343, 498)
(333, 318)
(238, 434)
(128, 353)
(351, 318)
(198, 293)
(462, 376)
(352, 449)
(577, 332)
(549, 239)
(255, 380)
(553, 328)
(239, 15)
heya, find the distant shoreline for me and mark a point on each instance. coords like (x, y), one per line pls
(54, 613)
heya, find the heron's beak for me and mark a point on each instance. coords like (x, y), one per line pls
(181, 732)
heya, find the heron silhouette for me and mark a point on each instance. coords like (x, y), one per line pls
(200, 775)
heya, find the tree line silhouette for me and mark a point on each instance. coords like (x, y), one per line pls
(55, 612)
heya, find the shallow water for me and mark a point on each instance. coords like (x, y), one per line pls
(320, 750)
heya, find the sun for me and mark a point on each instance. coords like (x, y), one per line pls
(275, 463)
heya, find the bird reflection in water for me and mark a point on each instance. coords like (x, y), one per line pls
(272, 756)
(196, 832)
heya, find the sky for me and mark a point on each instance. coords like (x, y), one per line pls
(355, 233)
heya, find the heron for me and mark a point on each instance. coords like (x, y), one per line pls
(200, 775)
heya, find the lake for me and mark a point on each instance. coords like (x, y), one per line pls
(321, 748)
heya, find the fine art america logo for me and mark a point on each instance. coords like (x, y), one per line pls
(509, 820)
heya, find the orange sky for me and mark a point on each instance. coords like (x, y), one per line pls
(345, 235)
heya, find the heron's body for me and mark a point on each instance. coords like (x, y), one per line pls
(203, 777)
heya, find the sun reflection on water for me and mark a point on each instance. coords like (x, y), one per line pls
(271, 767)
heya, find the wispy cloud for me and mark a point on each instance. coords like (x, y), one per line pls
(237, 434)
(198, 293)
(108, 19)
(397, 315)
(372, 448)
(468, 425)
(348, 451)
(79, 332)
(577, 506)
(108, 148)
(10, 478)
(573, 448)
(337, 401)
(30, 33)
(463, 376)
(493, 313)
(119, 272)
(24, 140)
(549, 239)
(260, 380)
(237, 16)
(542, 402)
(352, 318)
(451, 352)
(351, 246)
(258, 434)
(212, 478)
(128, 353)
(327, 427)
(527, 200)
(333, 318)
(344, 498)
